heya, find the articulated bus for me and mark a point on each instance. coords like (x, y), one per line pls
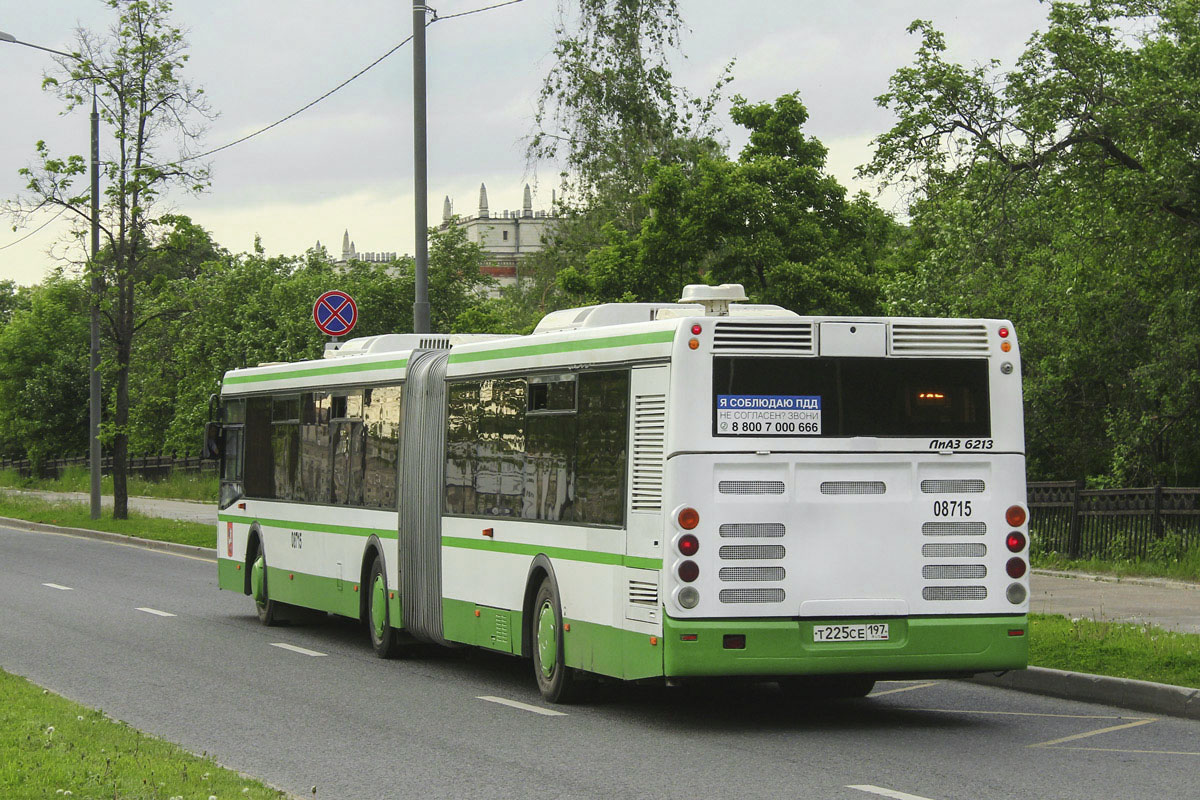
(647, 491)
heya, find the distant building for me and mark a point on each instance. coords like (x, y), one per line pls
(507, 237)
(350, 253)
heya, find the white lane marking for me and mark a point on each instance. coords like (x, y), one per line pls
(1133, 724)
(156, 612)
(295, 649)
(546, 712)
(58, 586)
(879, 790)
(1017, 713)
(903, 689)
(1119, 750)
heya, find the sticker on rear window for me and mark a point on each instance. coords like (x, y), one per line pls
(768, 415)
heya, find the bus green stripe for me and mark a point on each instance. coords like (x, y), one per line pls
(312, 372)
(316, 527)
(568, 554)
(599, 343)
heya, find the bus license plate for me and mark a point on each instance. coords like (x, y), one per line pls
(869, 632)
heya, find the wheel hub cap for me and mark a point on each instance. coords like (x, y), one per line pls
(547, 639)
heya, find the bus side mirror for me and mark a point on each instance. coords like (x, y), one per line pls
(214, 441)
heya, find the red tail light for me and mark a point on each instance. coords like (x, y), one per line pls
(688, 571)
(1015, 568)
(1015, 541)
(688, 544)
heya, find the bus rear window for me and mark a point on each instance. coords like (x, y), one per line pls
(831, 397)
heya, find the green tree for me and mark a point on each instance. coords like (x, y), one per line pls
(43, 373)
(1065, 193)
(146, 105)
(774, 220)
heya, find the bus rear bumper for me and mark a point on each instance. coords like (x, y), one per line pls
(778, 647)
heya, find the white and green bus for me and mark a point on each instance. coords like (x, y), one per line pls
(648, 491)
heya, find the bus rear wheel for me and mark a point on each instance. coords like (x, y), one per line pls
(384, 639)
(556, 681)
(816, 688)
(268, 609)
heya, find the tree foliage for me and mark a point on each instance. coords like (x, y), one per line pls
(1065, 193)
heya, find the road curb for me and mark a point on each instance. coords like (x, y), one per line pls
(193, 551)
(1157, 698)
(1161, 583)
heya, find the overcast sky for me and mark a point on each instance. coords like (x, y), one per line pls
(347, 162)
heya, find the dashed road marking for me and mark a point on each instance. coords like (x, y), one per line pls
(156, 612)
(302, 650)
(59, 586)
(1085, 735)
(546, 712)
(879, 790)
(903, 689)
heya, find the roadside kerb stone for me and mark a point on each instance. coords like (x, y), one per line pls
(1157, 698)
(194, 551)
(1162, 583)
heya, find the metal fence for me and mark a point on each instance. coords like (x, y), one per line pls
(149, 467)
(1066, 518)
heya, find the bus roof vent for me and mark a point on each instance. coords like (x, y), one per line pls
(939, 338)
(788, 338)
(715, 299)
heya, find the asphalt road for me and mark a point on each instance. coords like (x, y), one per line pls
(84, 618)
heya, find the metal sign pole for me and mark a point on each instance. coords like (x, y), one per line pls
(421, 199)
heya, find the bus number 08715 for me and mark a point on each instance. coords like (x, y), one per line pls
(952, 508)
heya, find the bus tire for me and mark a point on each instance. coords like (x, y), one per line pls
(817, 688)
(384, 639)
(268, 609)
(556, 681)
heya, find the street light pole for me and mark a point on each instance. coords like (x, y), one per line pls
(421, 190)
(97, 289)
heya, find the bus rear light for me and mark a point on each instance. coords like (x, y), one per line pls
(689, 637)
(696, 329)
(1006, 346)
(1015, 568)
(688, 544)
(734, 641)
(1016, 632)
(1016, 594)
(1015, 541)
(688, 518)
(688, 597)
(693, 344)
(1015, 516)
(688, 571)
(1003, 333)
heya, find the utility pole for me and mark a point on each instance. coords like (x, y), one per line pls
(421, 303)
(97, 291)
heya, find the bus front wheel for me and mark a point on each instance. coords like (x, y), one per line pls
(556, 681)
(383, 636)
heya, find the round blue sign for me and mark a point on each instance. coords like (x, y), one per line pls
(335, 313)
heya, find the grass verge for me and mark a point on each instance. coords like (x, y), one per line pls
(177, 486)
(1185, 568)
(52, 747)
(78, 515)
(1119, 649)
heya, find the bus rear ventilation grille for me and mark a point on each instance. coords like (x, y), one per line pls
(950, 572)
(954, 528)
(752, 551)
(954, 593)
(643, 593)
(853, 487)
(762, 337)
(752, 595)
(750, 487)
(953, 486)
(752, 573)
(917, 339)
(954, 550)
(752, 530)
